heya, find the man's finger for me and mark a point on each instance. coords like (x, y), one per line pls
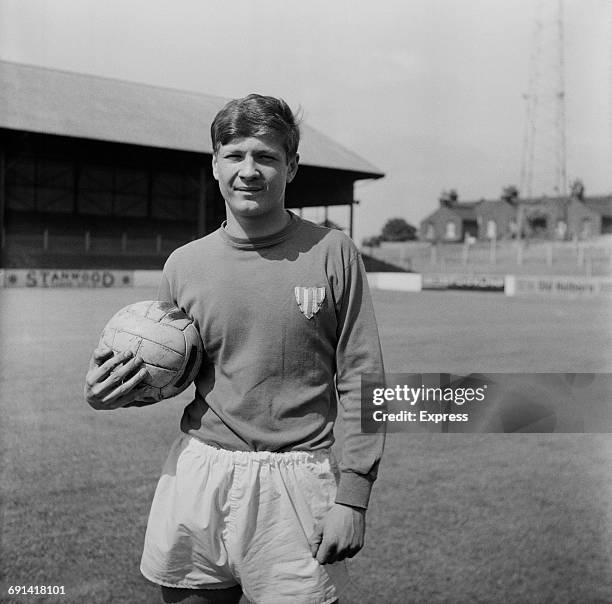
(124, 394)
(122, 373)
(349, 552)
(326, 553)
(123, 379)
(126, 387)
(102, 354)
(315, 540)
(99, 356)
(103, 371)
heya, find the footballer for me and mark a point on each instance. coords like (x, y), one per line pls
(251, 501)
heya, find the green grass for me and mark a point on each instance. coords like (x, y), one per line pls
(454, 518)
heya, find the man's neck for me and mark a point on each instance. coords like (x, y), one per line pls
(256, 226)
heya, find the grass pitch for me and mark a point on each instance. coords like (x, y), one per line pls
(454, 518)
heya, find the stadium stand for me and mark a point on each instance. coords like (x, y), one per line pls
(101, 173)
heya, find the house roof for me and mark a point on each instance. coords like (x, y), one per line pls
(462, 211)
(602, 204)
(36, 99)
(466, 211)
(490, 203)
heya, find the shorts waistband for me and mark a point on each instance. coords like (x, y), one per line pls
(261, 457)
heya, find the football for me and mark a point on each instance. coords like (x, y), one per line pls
(165, 338)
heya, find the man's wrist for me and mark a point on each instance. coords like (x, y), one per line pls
(353, 507)
(354, 490)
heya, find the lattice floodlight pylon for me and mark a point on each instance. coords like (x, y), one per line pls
(543, 162)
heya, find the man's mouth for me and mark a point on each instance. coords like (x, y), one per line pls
(248, 189)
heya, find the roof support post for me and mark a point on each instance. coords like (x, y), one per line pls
(2, 197)
(352, 205)
(76, 180)
(202, 200)
(149, 191)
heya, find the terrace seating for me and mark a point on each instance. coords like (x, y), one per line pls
(84, 250)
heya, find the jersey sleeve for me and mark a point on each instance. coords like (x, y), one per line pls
(163, 291)
(358, 352)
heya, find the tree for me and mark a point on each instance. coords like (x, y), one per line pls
(448, 198)
(373, 241)
(577, 190)
(510, 194)
(397, 229)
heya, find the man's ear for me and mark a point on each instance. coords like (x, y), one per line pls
(293, 167)
(214, 166)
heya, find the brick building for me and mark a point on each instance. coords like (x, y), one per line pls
(547, 218)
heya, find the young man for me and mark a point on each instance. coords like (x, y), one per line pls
(250, 499)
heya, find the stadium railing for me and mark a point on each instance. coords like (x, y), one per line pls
(590, 258)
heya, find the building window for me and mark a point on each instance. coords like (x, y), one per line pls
(451, 230)
(491, 229)
(561, 229)
(587, 228)
(430, 232)
(513, 228)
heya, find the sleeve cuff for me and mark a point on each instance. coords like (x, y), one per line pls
(354, 490)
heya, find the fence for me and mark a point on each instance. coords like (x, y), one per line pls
(84, 242)
(523, 257)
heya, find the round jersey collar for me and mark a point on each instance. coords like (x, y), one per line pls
(259, 242)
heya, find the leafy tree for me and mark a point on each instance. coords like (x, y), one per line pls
(397, 229)
(577, 189)
(510, 194)
(373, 241)
(448, 198)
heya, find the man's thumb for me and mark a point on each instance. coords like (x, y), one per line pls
(315, 539)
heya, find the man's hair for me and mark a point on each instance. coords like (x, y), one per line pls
(256, 115)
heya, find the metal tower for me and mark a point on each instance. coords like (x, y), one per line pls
(543, 163)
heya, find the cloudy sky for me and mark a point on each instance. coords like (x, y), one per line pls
(429, 91)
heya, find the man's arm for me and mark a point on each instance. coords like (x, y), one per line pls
(358, 353)
(164, 292)
(341, 534)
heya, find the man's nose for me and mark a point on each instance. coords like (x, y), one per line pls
(249, 169)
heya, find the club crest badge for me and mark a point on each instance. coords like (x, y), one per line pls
(309, 300)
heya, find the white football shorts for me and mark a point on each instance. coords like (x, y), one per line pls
(221, 518)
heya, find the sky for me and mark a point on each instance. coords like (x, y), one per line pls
(432, 92)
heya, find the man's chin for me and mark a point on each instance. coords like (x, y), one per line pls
(250, 208)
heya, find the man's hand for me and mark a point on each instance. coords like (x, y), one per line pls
(340, 535)
(111, 379)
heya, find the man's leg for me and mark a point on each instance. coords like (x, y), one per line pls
(172, 595)
(185, 526)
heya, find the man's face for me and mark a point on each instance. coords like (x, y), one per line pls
(252, 174)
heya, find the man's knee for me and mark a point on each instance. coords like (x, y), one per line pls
(178, 595)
